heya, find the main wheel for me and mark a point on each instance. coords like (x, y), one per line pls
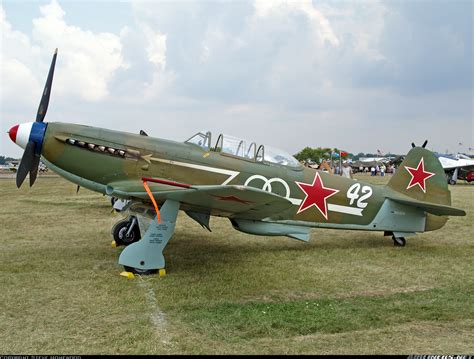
(122, 235)
(452, 182)
(140, 271)
(399, 241)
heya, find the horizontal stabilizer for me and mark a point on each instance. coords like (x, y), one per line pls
(300, 236)
(433, 208)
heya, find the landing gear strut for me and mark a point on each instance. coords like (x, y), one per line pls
(398, 241)
(146, 255)
(126, 231)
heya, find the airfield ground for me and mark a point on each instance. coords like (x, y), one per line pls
(344, 292)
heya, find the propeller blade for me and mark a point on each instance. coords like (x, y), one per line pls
(26, 164)
(424, 143)
(34, 170)
(43, 106)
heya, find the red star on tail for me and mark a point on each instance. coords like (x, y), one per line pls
(419, 175)
(316, 195)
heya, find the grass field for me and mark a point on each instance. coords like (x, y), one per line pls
(227, 292)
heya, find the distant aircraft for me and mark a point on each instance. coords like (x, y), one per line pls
(457, 167)
(261, 190)
(12, 165)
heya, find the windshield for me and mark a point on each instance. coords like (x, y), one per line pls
(201, 139)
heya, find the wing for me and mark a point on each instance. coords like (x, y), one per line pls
(229, 201)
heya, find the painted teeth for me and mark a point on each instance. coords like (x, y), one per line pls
(101, 148)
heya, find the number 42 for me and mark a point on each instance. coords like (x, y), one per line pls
(353, 194)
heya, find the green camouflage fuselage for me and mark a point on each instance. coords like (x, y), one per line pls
(185, 163)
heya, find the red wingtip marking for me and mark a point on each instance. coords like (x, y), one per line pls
(12, 133)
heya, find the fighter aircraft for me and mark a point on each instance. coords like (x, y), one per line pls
(261, 190)
(457, 167)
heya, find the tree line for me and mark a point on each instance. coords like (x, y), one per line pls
(4, 159)
(324, 153)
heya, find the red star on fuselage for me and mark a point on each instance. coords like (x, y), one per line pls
(316, 195)
(419, 175)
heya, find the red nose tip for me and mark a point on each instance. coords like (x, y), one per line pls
(12, 133)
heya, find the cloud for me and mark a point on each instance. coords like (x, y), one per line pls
(87, 60)
(17, 57)
(288, 73)
(430, 46)
(321, 24)
(290, 53)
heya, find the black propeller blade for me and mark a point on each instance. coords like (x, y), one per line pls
(26, 164)
(34, 169)
(43, 106)
(30, 160)
(423, 145)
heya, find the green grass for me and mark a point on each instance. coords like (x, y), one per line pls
(227, 292)
(304, 317)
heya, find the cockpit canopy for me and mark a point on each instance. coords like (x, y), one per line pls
(238, 147)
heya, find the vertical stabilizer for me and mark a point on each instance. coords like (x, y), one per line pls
(421, 177)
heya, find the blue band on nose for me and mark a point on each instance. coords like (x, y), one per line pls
(37, 135)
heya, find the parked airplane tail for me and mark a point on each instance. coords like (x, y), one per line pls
(420, 182)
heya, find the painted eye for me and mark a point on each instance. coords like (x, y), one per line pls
(91, 146)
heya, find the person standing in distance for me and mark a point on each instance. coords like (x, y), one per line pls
(347, 170)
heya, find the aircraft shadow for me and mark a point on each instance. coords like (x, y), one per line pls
(191, 252)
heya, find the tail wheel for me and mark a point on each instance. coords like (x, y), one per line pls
(126, 232)
(399, 241)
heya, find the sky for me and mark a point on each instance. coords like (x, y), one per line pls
(357, 75)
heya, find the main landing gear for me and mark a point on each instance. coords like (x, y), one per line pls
(146, 256)
(140, 271)
(126, 231)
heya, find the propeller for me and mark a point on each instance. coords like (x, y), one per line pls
(423, 145)
(31, 156)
